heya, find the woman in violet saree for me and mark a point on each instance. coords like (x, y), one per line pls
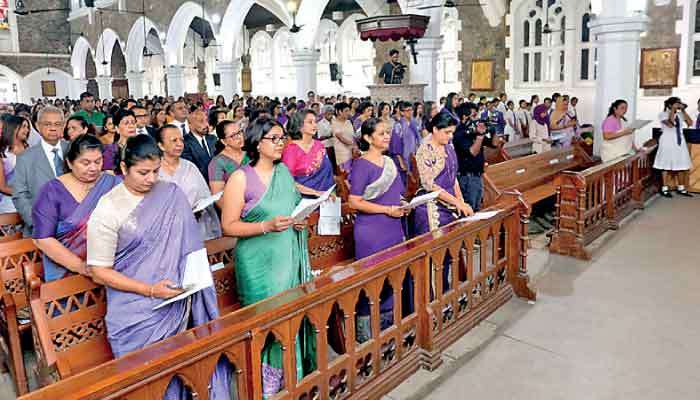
(64, 205)
(375, 192)
(437, 168)
(140, 252)
(306, 157)
(271, 253)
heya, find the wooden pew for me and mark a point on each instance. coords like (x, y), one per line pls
(533, 176)
(221, 251)
(11, 225)
(13, 304)
(490, 268)
(595, 200)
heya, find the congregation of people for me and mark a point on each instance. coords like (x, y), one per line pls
(107, 188)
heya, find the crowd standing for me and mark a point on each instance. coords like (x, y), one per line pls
(106, 187)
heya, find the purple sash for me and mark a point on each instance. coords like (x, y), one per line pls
(321, 179)
(72, 232)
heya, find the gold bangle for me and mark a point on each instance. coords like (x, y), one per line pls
(262, 226)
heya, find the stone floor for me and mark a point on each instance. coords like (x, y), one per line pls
(621, 326)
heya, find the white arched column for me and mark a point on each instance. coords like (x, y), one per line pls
(104, 84)
(229, 77)
(428, 48)
(176, 80)
(136, 82)
(306, 63)
(618, 34)
(105, 44)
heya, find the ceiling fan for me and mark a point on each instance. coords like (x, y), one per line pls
(452, 4)
(546, 29)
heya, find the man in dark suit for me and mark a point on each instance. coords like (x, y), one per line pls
(39, 164)
(199, 145)
(143, 121)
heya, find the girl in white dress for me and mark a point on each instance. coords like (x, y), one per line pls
(672, 157)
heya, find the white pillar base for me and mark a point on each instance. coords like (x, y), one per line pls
(618, 66)
(104, 84)
(425, 71)
(229, 78)
(306, 63)
(136, 82)
(176, 80)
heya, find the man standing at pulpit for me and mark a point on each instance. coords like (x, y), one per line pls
(392, 71)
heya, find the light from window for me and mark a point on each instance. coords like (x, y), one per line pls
(562, 63)
(562, 34)
(585, 30)
(696, 60)
(538, 33)
(538, 67)
(697, 17)
(585, 55)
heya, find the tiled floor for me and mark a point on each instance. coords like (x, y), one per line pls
(622, 326)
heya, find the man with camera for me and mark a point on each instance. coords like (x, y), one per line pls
(495, 122)
(469, 140)
(393, 71)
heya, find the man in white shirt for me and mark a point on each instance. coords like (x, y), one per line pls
(502, 106)
(178, 112)
(325, 131)
(142, 120)
(39, 164)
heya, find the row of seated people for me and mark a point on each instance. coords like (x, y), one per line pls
(133, 233)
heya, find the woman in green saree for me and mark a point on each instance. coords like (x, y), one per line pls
(271, 253)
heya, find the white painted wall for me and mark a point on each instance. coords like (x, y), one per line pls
(31, 84)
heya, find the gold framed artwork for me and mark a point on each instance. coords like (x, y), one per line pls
(48, 88)
(659, 68)
(483, 75)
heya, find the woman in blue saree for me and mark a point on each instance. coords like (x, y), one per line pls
(140, 253)
(271, 253)
(64, 205)
(306, 157)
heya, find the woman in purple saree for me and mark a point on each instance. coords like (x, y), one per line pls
(305, 157)
(376, 188)
(437, 168)
(140, 254)
(64, 205)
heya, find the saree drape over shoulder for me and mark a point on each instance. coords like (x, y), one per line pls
(153, 245)
(71, 232)
(270, 264)
(312, 169)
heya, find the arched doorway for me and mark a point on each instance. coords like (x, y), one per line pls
(120, 85)
(90, 74)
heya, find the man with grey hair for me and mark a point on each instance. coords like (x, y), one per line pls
(325, 133)
(39, 164)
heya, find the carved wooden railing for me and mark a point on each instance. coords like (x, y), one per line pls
(597, 199)
(486, 264)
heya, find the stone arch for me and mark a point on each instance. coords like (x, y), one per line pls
(356, 57)
(81, 50)
(311, 11)
(232, 22)
(262, 55)
(136, 42)
(105, 44)
(31, 84)
(178, 28)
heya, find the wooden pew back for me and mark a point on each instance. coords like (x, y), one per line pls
(11, 225)
(69, 327)
(13, 255)
(533, 175)
(221, 251)
(326, 252)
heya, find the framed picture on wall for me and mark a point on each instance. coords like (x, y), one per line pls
(659, 68)
(48, 88)
(483, 75)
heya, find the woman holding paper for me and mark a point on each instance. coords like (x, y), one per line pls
(375, 192)
(271, 253)
(306, 157)
(618, 140)
(186, 175)
(437, 168)
(562, 126)
(139, 239)
(64, 205)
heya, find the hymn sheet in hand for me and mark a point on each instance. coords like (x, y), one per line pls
(197, 276)
(307, 206)
(329, 218)
(420, 200)
(206, 202)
